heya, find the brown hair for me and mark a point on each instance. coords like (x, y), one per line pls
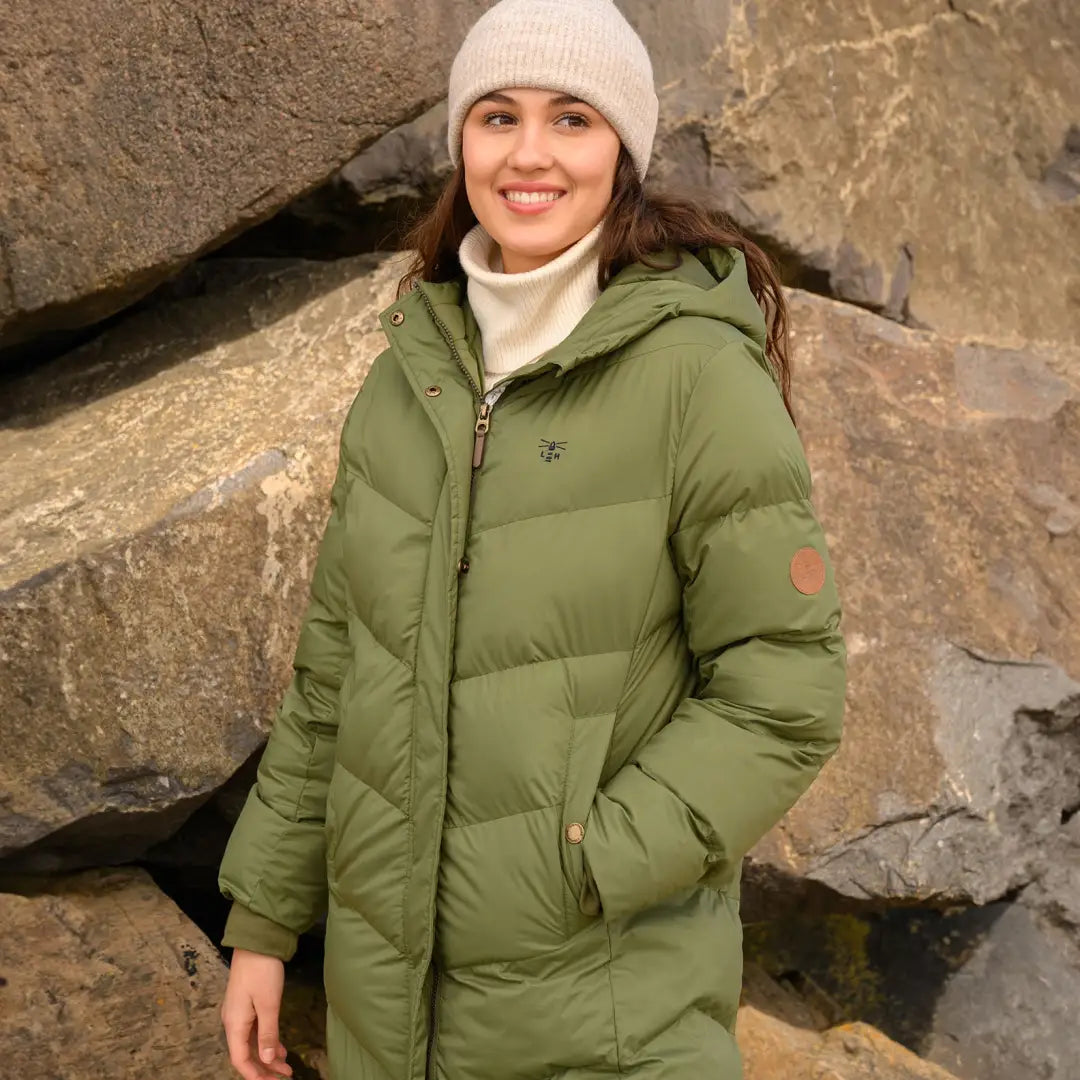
(638, 223)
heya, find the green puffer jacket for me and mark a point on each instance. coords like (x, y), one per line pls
(559, 672)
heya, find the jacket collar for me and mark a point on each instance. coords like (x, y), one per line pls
(709, 282)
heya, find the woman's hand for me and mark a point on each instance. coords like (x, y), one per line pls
(250, 1015)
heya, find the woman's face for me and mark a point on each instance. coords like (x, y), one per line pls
(522, 137)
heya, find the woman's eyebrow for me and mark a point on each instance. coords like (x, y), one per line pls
(506, 99)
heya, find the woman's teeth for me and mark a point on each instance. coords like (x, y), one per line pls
(532, 196)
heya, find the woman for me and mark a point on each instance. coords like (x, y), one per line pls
(572, 646)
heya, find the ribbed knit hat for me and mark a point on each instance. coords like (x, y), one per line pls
(581, 47)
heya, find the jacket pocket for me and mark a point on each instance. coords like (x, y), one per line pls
(586, 756)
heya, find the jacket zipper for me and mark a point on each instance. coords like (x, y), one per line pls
(480, 431)
(483, 419)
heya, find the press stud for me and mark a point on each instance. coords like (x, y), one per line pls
(433, 391)
(397, 318)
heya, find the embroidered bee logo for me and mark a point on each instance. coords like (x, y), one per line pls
(551, 451)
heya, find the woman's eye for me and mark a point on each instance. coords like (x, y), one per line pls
(579, 120)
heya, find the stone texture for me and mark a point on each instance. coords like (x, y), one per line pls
(366, 206)
(135, 137)
(164, 490)
(773, 1050)
(409, 162)
(1010, 1011)
(101, 975)
(958, 774)
(916, 157)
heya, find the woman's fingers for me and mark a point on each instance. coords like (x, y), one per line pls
(267, 1070)
(266, 1011)
(271, 1050)
(239, 1032)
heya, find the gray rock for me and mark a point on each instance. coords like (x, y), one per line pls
(134, 138)
(1011, 1010)
(867, 142)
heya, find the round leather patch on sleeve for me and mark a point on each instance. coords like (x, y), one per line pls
(807, 571)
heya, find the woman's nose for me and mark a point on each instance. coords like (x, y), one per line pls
(530, 149)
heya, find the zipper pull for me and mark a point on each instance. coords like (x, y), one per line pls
(481, 429)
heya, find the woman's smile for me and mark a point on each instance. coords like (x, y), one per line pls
(529, 202)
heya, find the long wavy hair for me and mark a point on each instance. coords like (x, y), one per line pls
(640, 222)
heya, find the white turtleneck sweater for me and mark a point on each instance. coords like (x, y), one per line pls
(521, 316)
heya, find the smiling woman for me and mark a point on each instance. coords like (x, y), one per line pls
(563, 666)
(538, 175)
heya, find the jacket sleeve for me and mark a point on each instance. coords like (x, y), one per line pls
(761, 614)
(274, 863)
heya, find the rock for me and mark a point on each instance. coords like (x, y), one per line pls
(1010, 1011)
(409, 162)
(133, 139)
(165, 488)
(773, 1050)
(986, 991)
(779, 1040)
(368, 205)
(866, 144)
(101, 975)
(959, 770)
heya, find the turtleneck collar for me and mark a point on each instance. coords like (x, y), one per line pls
(521, 316)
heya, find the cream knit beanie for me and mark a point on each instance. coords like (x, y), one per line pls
(581, 47)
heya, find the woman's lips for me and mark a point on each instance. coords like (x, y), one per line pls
(530, 208)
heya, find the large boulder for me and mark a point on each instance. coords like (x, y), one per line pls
(133, 137)
(916, 157)
(102, 975)
(164, 489)
(948, 477)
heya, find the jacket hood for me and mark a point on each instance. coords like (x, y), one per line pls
(710, 282)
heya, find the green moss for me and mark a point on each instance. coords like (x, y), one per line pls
(828, 960)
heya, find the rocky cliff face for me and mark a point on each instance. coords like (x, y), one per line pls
(133, 138)
(913, 169)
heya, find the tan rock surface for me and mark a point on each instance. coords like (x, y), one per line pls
(775, 1050)
(164, 488)
(921, 157)
(948, 476)
(135, 136)
(104, 976)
